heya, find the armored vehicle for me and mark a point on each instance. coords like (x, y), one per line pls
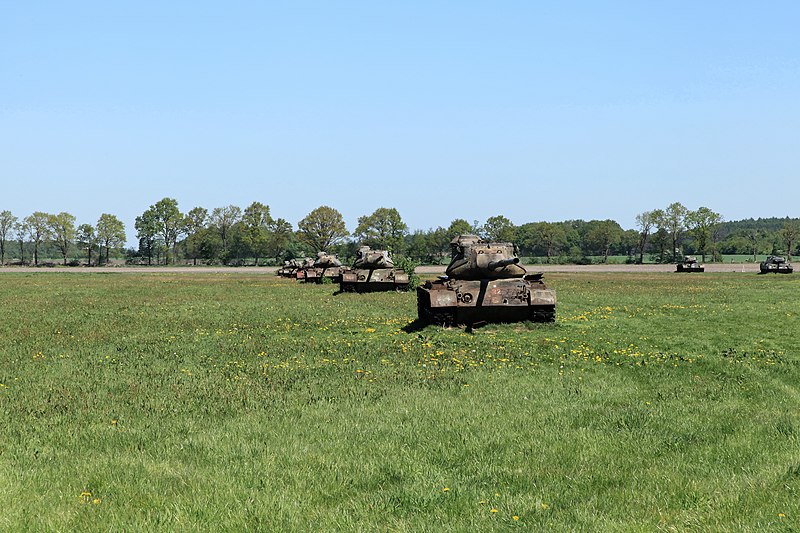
(300, 273)
(326, 266)
(690, 264)
(290, 268)
(776, 264)
(373, 270)
(484, 282)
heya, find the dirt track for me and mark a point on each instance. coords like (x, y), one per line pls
(711, 267)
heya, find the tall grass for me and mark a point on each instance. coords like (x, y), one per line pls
(240, 401)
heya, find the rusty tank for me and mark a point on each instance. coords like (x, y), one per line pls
(690, 264)
(304, 265)
(373, 270)
(326, 266)
(775, 264)
(484, 282)
(290, 268)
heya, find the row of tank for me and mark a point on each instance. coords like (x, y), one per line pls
(373, 270)
(774, 264)
(484, 282)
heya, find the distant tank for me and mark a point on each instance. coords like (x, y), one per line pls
(776, 264)
(290, 268)
(304, 265)
(326, 266)
(690, 264)
(484, 282)
(373, 270)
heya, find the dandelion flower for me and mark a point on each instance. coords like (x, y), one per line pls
(446, 489)
(516, 518)
(493, 510)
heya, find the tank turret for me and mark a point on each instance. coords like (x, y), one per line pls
(475, 259)
(372, 259)
(326, 260)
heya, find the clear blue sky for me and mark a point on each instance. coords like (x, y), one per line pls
(461, 109)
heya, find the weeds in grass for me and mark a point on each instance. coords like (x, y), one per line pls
(190, 402)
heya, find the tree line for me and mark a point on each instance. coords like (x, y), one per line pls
(231, 235)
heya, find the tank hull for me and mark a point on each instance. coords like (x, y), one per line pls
(319, 274)
(690, 268)
(776, 268)
(452, 302)
(374, 280)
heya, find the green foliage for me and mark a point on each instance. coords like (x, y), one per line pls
(322, 228)
(382, 230)
(409, 266)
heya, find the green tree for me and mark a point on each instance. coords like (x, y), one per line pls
(279, 239)
(458, 227)
(383, 229)
(602, 235)
(322, 228)
(499, 229)
(195, 224)
(547, 237)
(169, 223)
(645, 221)
(20, 231)
(146, 231)
(38, 227)
(673, 220)
(110, 233)
(702, 224)
(86, 240)
(62, 231)
(7, 222)
(223, 219)
(789, 234)
(255, 231)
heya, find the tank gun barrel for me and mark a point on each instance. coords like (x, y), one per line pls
(503, 263)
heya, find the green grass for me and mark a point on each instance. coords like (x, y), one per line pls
(241, 401)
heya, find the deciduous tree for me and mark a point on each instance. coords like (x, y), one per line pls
(169, 223)
(62, 231)
(499, 229)
(383, 229)
(86, 240)
(110, 232)
(37, 226)
(223, 218)
(7, 222)
(322, 228)
(702, 224)
(645, 221)
(673, 221)
(789, 235)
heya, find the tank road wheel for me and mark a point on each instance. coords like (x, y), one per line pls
(401, 287)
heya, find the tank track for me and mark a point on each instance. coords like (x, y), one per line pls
(543, 315)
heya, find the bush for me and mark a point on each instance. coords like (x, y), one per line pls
(409, 267)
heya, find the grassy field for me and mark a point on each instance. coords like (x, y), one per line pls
(240, 401)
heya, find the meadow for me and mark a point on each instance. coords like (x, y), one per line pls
(242, 401)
